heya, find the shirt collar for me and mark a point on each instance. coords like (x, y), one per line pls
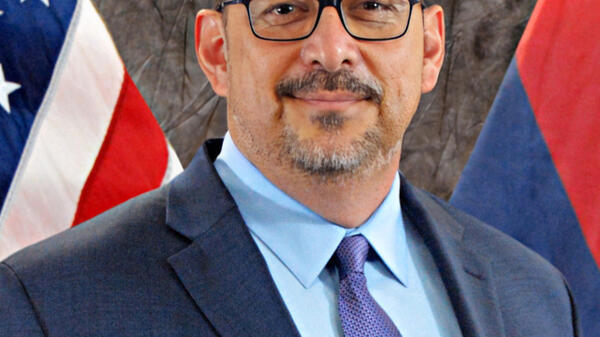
(301, 239)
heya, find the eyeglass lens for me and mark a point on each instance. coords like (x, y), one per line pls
(292, 19)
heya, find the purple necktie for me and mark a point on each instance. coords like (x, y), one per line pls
(361, 316)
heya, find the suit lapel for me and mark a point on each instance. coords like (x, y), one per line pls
(222, 269)
(467, 277)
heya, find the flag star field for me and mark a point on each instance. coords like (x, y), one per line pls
(6, 88)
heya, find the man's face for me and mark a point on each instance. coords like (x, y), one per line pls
(328, 105)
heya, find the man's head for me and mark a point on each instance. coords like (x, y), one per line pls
(337, 98)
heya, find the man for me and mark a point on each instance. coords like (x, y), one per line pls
(302, 226)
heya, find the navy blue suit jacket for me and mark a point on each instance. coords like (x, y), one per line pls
(179, 261)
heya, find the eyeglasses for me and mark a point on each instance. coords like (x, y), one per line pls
(290, 20)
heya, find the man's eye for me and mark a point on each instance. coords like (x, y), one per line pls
(373, 6)
(283, 9)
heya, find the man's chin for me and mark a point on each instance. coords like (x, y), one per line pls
(331, 161)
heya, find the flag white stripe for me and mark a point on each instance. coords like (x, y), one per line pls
(67, 136)
(173, 165)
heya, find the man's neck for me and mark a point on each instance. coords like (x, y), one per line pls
(348, 202)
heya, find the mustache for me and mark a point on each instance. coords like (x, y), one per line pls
(330, 81)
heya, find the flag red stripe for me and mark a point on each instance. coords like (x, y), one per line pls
(132, 160)
(558, 61)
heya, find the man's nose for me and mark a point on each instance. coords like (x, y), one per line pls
(330, 47)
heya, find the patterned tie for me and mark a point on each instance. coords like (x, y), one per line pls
(361, 316)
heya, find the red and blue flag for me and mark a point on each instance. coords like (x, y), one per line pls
(535, 169)
(76, 136)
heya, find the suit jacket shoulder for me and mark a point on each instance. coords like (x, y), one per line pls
(530, 296)
(108, 276)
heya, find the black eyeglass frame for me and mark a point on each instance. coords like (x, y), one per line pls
(322, 5)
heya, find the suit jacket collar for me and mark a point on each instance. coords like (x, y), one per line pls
(226, 275)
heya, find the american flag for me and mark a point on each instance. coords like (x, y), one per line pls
(76, 137)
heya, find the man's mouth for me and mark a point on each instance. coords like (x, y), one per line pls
(330, 100)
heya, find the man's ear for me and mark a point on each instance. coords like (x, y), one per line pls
(433, 46)
(210, 49)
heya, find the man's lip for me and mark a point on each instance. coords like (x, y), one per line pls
(330, 100)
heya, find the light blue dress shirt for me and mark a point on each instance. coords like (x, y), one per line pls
(298, 244)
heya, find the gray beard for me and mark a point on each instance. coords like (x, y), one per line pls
(361, 156)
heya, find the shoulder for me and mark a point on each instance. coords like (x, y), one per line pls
(110, 231)
(114, 266)
(482, 239)
(530, 292)
(105, 268)
(115, 245)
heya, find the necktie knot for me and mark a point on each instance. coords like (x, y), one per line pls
(351, 255)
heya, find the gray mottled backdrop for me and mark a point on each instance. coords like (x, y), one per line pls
(156, 41)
